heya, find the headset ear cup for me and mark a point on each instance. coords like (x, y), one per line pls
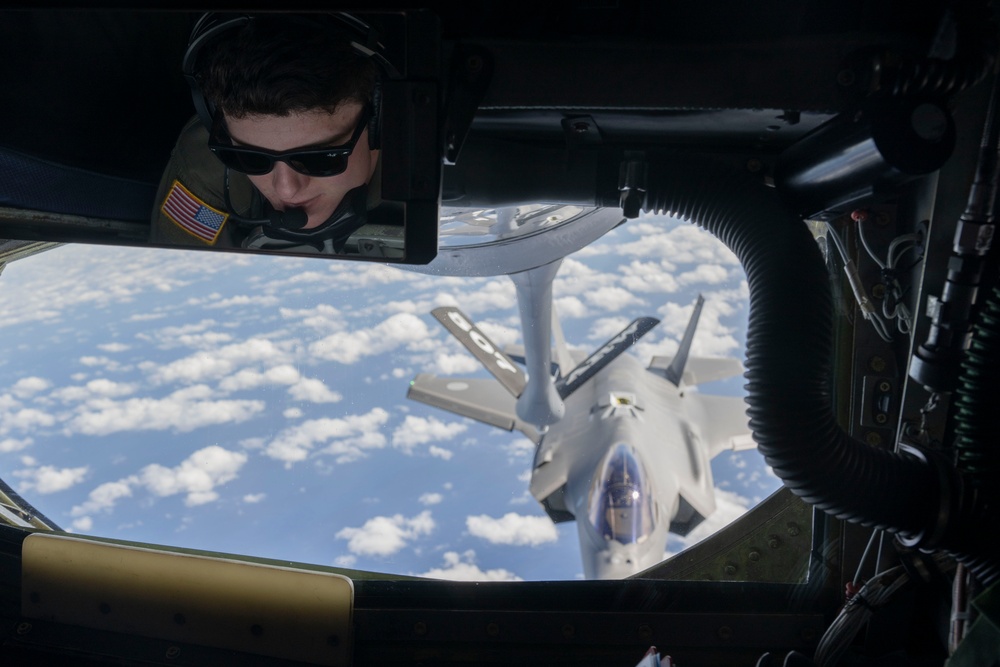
(375, 122)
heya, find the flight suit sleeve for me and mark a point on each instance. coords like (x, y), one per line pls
(190, 208)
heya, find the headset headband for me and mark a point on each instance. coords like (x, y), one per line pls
(359, 34)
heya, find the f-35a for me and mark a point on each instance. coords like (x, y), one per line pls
(621, 449)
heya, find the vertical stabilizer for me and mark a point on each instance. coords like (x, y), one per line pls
(675, 371)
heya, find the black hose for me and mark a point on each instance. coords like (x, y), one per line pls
(789, 352)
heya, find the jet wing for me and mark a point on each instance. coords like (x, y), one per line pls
(475, 341)
(699, 370)
(482, 399)
(724, 423)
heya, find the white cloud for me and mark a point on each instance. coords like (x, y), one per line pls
(25, 419)
(709, 274)
(352, 435)
(210, 364)
(182, 411)
(570, 307)
(385, 535)
(101, 387)
(84, 523)
(440, 452)
(612, 298)
(113, 347)
(430, 498)
(420, 430)
(314, 391)
(463, 568)
(8, 445)
(254, 498)
(197, 476)
(104, 497)
(514, 529)
(29, 386)
(48, 479)
(347, 347)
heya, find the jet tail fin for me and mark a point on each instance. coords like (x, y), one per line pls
(675, 372)
(589, 367)
(489, 355)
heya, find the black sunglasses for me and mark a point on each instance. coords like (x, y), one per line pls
(256, 161)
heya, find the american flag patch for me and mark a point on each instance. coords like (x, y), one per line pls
(192, 214)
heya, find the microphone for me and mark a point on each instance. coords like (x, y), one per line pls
(292, 218)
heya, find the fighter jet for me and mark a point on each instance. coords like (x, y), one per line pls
(621, 449)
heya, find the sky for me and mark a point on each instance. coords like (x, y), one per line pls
(257, 404)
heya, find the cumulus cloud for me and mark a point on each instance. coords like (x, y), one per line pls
(421, 430)
(348, 347)
(462, 567)
(99, 388)
(8, 445)
(29, 386)
(514, 529)
(314, 391)
(440, 452)
(612, 298)
(48, 479)
(104, 497)
(197, 476)
(352, 435)
(385, 535)
(182, 411)
(430, 498)
(211, 364)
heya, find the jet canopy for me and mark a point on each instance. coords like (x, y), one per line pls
(620, 501)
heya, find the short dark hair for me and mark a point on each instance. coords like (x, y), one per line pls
(281, 63)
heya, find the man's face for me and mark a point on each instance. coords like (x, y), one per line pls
(286, 188)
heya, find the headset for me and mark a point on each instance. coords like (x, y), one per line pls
(362, 38)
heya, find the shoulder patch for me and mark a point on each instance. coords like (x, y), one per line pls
(193, 215)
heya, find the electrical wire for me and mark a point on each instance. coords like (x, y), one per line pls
(872, 596)
(864, 303)
(893, 306)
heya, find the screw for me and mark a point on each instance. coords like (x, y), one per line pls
(881, 418)
(730, 568)
(873, 439)
(173, 652)
(23, 628)
(420, 628)
(773, 541)
(754, 556)
(877, 364)
(793, 528)
(492, 629)
(884, 386)
(725, 633)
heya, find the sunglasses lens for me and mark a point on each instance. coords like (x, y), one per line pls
(245, 162)
(318, 165)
